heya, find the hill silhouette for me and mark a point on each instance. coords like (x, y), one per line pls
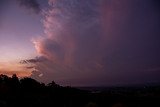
(27, 92)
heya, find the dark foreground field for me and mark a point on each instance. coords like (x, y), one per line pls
(28, 92)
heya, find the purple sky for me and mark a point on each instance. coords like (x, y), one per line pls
(81, 42)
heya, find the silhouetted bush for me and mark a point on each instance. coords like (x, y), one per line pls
(27, 92)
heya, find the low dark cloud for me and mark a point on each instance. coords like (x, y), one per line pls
(30, 67)
(32, 61)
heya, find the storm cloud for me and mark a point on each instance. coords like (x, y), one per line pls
(99, 42)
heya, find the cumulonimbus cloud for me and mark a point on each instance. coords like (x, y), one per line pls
(93, 41)
(72, 40)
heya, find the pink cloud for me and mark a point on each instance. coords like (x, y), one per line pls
(93, 41)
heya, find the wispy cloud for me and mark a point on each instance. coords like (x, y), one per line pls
(33, 61)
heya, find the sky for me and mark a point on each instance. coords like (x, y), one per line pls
(81, 42)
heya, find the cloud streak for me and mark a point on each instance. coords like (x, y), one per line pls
(32, 61)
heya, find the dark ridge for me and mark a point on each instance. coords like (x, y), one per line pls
(27, 92)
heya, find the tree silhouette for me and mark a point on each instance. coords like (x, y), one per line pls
(53, 85)
(3, 78)
(4, 83)
(29, 83)
(14, 82)
(27, 92)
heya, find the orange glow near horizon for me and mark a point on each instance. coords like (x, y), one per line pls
(10, 60)
(10, 68)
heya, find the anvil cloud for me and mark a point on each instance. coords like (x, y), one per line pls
(99, 42)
